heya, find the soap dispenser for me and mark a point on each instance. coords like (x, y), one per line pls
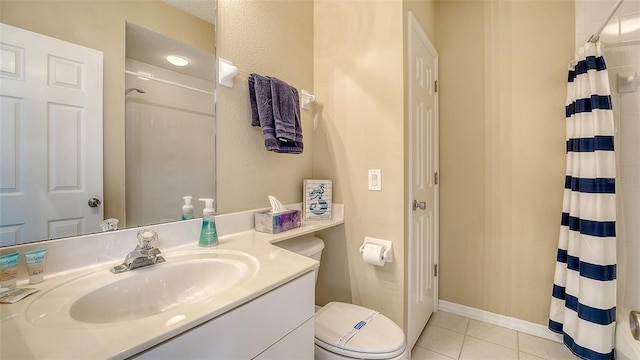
(208, 234)
(187, 208)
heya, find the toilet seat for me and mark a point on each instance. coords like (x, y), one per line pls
(378, 338)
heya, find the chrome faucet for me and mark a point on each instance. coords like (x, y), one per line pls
(143, 255)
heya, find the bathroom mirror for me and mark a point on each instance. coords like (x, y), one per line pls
(144, 167)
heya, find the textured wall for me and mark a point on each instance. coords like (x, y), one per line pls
(360, 125)
(502, 75)
(272, 38)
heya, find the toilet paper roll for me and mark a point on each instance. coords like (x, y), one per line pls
(373, 254)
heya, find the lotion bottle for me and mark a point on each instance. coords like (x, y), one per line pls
(208, 234)
(187, 208)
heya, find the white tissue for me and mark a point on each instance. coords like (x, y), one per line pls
(276, 205)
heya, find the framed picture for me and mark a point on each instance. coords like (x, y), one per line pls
(317, 199)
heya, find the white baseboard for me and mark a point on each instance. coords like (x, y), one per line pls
(500, 320)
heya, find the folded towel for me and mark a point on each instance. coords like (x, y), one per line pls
(286, 109)
(261, 95)
(264, 101)
(255, 119)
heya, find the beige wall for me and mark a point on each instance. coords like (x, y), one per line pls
(273, 38)
(359, 84)
(425, 12)
(343, 52)
(100, 25)
(503, 71)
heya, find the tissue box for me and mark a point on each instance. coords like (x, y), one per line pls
(317, 199)
(271, 223)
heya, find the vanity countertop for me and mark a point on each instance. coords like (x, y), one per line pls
(22, 337)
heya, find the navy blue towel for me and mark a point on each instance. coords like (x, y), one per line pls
(275, 107)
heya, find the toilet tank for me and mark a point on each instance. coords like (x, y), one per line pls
(309, 246)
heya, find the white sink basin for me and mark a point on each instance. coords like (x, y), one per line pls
(186, 278)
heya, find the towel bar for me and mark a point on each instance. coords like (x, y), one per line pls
(227, 72)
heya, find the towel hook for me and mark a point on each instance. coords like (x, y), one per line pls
(306, 99)
(226, 72)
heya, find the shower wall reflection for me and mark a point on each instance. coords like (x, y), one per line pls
(169, 135)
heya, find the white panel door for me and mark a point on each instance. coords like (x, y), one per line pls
(423, 187)
(50, 137)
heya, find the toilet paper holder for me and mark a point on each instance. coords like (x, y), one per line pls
(388, 246)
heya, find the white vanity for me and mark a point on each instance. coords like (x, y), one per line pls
(242, 299)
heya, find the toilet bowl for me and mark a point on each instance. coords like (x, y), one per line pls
(348, 331)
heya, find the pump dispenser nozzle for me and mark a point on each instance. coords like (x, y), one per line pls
(208, 234)
(208, 203)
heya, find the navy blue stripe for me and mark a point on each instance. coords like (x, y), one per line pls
(591, 186)
(556, 327)
(602, 102)
(597, 143)
(588, 227)
(584, 352)
(590, 314)
(569, 110)
(590, 63)
(598, 272)
(558, 292)
(562, 256)
(592, 271)
(573, 263)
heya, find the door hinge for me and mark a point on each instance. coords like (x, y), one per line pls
(435, 269)
(435, 86)
(435, 178)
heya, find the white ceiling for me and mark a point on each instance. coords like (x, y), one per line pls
(152, 48)
(204, 9)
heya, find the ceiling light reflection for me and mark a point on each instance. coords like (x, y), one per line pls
(178, 60)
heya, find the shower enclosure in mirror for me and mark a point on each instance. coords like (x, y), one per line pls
(152, 163)
(169, 131)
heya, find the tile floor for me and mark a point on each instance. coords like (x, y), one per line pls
(448, 336)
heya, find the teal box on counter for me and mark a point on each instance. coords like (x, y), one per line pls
(271, 223)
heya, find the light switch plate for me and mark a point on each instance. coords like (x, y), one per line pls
(375, 180)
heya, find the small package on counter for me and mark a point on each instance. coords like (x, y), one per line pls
(14, 295)
(273, 223)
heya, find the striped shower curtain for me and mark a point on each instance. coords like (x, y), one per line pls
(583, 304)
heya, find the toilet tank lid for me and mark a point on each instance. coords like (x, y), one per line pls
(306, 245)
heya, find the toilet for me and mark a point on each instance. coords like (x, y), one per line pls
(348, 331)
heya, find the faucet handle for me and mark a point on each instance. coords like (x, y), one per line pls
(146, 238)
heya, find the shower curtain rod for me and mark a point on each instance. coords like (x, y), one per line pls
(168, 82)
(596, 35)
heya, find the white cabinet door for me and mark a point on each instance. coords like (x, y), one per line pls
(250, 329)
(296, 345)
(50, 137)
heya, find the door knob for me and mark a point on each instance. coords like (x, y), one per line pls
(93, 202)
(419, 205)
